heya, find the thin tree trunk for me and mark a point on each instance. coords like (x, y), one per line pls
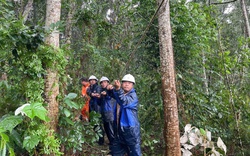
(171, 120)
(69, 22)
(4, 77)
(51, 90)
(204, 73)
(68, 37)
(244, 10)
(27, 10)
(228, 84)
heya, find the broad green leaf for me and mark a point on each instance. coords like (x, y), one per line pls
(36, 109)
(71, 96)
(71, 104)
(4, 137)
(66, 112)
(10, 123)
(29, 111)
(11, 151)
(14, 135)
(2, 129)
(30, 142)
(69, 121)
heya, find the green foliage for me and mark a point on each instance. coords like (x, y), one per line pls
(73, 132)
(38, 135)
(30, 142)
(25, 59)
(193, 33)
(198, 54)
(205, 43)
(7, 124)
(36, 109)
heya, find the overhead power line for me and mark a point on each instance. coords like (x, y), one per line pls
(142, 37)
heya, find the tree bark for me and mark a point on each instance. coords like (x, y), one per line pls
(171, 120)
(51, 90)
(69, 22)
(244, 10)
(204, 73)
(27, 10)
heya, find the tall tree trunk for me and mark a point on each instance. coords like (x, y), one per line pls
(51, 90)
(171, 120)
(244, 10)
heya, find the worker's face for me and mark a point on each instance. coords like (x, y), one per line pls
(92, 81)
(85, 83)
(104, 84)
(127, 86)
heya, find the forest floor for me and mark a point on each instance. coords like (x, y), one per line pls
(96, 149)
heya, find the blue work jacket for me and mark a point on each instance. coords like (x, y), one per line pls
(128, 107)
(108, 106)
(93, 103)
(129, 126)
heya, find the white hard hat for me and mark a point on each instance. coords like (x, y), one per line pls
(104, 79)
(129, 78)
(92, 77)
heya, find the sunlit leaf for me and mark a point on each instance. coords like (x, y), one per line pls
(188, 127)
(194, 139)
(221, 145)
(71, 96)
(184, 138)
(11, 151)
(209, 135)
(215, 153)
(20, 109)
(66, 112)
(4, 137)
(3, 149)
(185, 152)
(187, 146)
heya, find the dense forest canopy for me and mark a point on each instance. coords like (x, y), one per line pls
(111, 38)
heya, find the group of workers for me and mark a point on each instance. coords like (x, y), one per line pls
(121, 125)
